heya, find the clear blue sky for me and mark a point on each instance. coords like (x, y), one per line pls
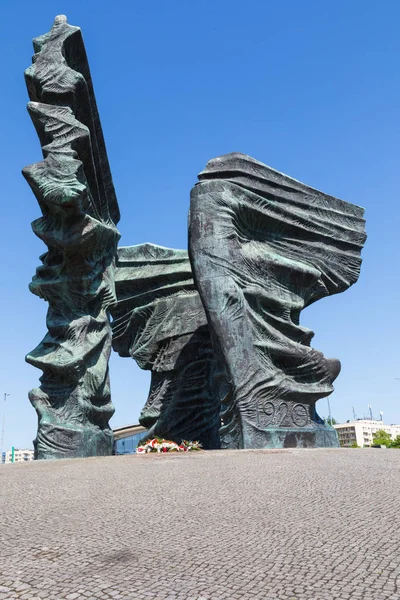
(310, 88)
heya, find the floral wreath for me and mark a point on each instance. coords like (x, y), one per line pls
(160, 445)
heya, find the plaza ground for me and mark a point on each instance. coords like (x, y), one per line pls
(273, 525)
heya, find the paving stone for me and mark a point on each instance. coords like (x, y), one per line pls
(235, 525)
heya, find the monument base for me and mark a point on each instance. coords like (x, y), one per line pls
(320, 436)
(54, 442)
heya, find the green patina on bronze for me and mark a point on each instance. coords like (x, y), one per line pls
(219, 328)
(159, 321)
(74, 189)
(263, 246)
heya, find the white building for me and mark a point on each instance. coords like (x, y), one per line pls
(361, 432)
(19, 456)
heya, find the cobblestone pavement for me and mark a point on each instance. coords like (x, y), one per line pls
(270, 525)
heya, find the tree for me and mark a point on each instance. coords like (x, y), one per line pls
(381, 438)
(396, 442)
(330, 421)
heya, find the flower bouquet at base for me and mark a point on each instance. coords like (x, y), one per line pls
(160, 445)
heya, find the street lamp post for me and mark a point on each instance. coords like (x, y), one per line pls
(329, 412)
(3, 423)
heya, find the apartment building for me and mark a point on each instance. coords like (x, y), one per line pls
(361, 431)
(16, 455)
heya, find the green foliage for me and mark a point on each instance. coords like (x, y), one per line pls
(381, 438)
(330, 421)
(396, 442)
(355, 445)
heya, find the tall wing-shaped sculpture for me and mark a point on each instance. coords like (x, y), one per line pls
(74, 189)
(159, 321)
(263, 246)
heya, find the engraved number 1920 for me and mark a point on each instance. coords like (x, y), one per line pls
(296, 414)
